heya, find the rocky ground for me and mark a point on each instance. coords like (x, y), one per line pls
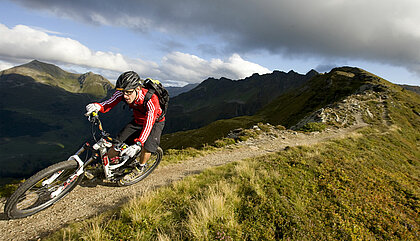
(90, 199)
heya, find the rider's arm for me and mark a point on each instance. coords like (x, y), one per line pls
(152, 108)
(111, 102)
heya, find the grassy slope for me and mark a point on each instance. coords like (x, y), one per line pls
(206, 135)
(52, 75)
(362, 187)
(323, 90)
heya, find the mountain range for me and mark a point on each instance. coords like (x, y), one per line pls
(42, 109)
(216, 99)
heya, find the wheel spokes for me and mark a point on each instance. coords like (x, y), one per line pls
(40, 193)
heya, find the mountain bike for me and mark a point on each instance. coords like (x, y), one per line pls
(101, 160)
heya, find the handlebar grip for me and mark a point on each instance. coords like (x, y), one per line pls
(93, 117)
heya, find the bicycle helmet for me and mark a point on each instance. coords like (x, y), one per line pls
(128, 80)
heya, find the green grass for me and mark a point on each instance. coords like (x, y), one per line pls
(11, 186)
(206, 135)
(313, 126)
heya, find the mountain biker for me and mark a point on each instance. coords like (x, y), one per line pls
(143, 132)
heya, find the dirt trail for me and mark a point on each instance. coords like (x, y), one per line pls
(86, 201)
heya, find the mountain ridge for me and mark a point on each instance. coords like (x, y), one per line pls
(223, 98)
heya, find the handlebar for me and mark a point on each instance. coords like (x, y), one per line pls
(94, 119)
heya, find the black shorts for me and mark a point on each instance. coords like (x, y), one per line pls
(132, 131)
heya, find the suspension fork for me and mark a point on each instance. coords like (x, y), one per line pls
(57, 174)
(74, 176)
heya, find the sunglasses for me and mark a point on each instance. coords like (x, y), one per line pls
(128, 92)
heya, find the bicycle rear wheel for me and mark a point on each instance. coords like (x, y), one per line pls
(37, 193)
(151, 165)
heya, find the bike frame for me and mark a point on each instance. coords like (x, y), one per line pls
(102, 146)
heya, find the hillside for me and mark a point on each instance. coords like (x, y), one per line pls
(49, 74)
(216, 99)
(319, 93)
(357, 179)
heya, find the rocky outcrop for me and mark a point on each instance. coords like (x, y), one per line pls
(367, 103)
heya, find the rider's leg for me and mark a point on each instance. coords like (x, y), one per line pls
(144, 156)
(129, 133)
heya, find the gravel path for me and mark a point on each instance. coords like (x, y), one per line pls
(89, 200)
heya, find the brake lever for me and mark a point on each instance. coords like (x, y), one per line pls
(93, 117)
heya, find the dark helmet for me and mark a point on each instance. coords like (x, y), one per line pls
(128, 80)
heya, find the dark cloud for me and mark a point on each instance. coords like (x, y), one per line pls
(376, 30)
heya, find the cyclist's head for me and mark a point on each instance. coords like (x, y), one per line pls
(127, 81)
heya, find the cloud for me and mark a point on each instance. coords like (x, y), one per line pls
(5, 65)
(28, 43)
(384, 31)
(25, 42)
(325, 67)
(190, 68)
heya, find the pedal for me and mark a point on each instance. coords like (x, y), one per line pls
(89, 175)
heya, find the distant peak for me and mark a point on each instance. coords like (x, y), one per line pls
(36, 64)
(44, 68)
(35, 61)
(88, 73)
(347, 69)
(312, 72)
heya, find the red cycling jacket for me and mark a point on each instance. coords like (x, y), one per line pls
(145, 117)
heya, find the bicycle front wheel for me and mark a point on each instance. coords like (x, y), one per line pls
(43, 189)
(151, 165)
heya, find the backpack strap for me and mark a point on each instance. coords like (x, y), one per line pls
(147, 97)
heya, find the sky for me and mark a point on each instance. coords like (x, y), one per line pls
(188, 41)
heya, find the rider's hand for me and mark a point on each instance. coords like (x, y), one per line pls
(93, 107)
(131, 150)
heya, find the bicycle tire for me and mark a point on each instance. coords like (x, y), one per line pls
(32, 196)
(152, 163)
